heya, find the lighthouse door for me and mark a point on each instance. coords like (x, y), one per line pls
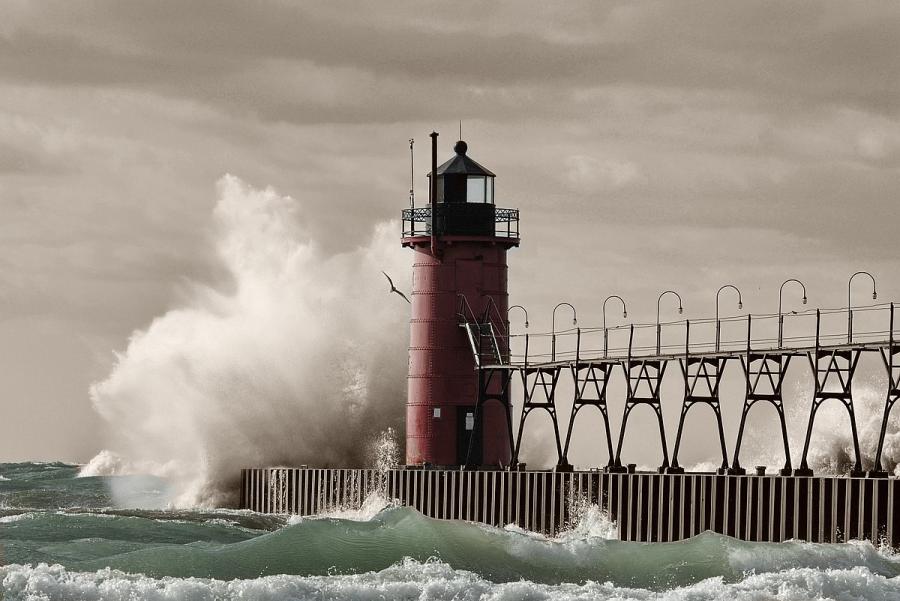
(465, 430)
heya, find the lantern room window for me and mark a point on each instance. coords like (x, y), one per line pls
(480, 189)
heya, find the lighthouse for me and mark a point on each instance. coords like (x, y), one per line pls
(459, 297)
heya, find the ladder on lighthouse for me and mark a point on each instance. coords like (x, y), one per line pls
(494, 377)
(482, 335)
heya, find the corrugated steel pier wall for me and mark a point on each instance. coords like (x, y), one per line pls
(645, 506)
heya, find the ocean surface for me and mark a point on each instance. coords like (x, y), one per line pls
(60, 538)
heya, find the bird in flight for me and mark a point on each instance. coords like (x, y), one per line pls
(394, 288)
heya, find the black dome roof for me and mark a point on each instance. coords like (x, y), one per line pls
(461, 164)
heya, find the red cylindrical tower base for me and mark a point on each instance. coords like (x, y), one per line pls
(443, 381)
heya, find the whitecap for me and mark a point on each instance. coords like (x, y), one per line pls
(433, 580)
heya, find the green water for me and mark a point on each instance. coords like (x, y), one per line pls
(60, 538)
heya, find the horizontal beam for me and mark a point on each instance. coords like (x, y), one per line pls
(729, 354)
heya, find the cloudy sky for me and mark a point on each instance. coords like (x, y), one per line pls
(679, 145)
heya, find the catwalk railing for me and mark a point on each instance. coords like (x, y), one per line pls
(830, 341)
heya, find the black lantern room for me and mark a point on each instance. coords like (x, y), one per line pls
(465, 196)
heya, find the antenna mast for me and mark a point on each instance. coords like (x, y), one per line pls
(412, 176)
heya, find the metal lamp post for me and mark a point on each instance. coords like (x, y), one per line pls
(605, 333)
(740, 306)
(780, 313)
(658, 327)
(553, 328)
(849, 302)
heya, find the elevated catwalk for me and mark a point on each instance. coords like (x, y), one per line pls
(644, 506)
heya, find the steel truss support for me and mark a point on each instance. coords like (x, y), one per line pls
(591, 380)
(891, 358)
(763, 376)
(643, 378)
(539, 392)
(833, 374)
(702, 376)
(890, 355)
(494, 384)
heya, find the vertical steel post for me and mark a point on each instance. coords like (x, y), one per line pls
(718, 330)
(780, 328)
(818, 323)
(525, 363)
(433, 193)
(412, 176)
(577, 345)
(849, 325)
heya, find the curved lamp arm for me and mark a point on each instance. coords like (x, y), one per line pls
(781, 292)
(606, 300)
(553, 321)
(524, 310)
(740, 304)
(662, 294)
(780, 312)
(850, 281)
(850, 302)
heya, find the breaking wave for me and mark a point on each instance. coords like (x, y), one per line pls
(264, 368)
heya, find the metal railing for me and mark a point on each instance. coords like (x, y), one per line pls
(878, 325)
(417, 222)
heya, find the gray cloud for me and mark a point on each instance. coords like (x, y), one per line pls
(307, 63)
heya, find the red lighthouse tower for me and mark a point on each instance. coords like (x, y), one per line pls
(459, 278)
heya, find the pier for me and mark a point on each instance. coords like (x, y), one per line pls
(647, 507)
(669, 505)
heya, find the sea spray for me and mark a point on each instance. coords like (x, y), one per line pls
(296, 359)
(831, 445)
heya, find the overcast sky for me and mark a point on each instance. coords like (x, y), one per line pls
(678, 145)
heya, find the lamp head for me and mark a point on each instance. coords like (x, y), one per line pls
(740, 305)
(574, 322)
(804, 300)
(874, 295)
(624, 314)
(680, 310)
(526, 323)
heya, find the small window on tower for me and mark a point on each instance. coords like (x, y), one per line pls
(436, 412)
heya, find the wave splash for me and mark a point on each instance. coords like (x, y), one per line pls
(265, 368)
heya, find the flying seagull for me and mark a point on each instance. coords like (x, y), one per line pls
(394, 288)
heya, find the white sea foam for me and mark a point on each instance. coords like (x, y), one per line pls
(372, 505)
(4, 479)
(18, 517)
(588, 521)
(432, 581)
(297, 358)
